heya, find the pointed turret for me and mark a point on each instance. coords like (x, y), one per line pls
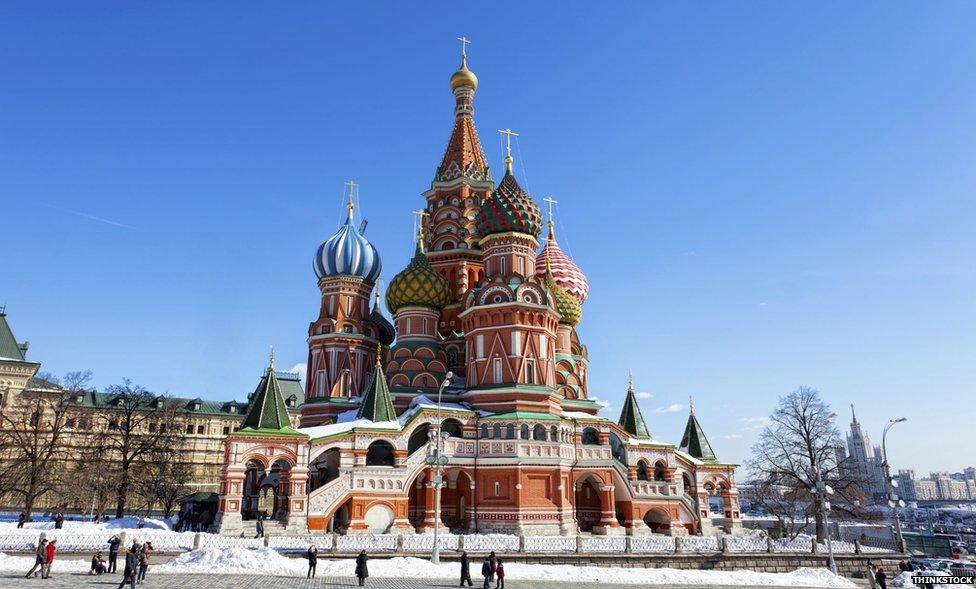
(631, 418)
(377, 405)
(694, 442)
(464, 156)
(266, 410)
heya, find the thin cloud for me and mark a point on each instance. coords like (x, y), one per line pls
(643, 395)
(757, 422)
(731, 436)
(672, 408)
(92, 217)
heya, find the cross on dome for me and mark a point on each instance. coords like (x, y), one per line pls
(508, 133)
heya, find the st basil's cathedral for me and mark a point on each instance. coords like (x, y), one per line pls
(483, 342)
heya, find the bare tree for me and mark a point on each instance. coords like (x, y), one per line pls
(94, 476)
(33, 429)
(800, 439)
(138, 425)
(161, 482)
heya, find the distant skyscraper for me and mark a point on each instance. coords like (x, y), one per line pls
(865, 460)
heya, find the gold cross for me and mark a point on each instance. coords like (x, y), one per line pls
(508, 146)
(353, 189)
(421, 214)
(551, 202)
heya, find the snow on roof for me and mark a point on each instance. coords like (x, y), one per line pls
(579, 415)
(323, 431)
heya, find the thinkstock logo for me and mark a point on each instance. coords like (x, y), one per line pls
(928, 579)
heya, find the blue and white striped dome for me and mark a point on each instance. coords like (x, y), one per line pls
(347, 253)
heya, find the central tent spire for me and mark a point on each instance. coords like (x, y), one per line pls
(464, 156)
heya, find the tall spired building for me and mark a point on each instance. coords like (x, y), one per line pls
(484, 317)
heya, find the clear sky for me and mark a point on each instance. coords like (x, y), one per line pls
(763, 195)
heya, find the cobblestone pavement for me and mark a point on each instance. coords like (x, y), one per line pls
(81, 581)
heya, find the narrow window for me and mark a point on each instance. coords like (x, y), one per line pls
(425, 326)
(498, 370)
(502, 266)
(516, 343)
(498, 489)
(521, 266)
(201, 429)
(542, 345)
(480, 345)
(529, 372)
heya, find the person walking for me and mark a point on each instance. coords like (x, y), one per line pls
(113, 553)
(59, 521)
(500, 575)
(361, 569)
(465, 569)
(131, 567)
(313, 556)
(259, 525)
(49, 559)
(147, 549)
(21, 519)
(39, 560)
(881, 578)
(486, 572)
(492, 559)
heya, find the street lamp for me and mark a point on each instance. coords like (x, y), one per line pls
(822, 490)
(893, 501)
(437, 459)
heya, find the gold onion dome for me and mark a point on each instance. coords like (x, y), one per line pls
(418, 285)
(569, 308)
(464, 76)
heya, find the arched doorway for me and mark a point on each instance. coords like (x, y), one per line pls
(587, 503)
(380, 453)
(456, 501)
(324, 469)
(254, 475)
(658, 521)
(417, 501)
(339, 522)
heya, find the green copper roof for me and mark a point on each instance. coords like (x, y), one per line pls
(9, 348)
(630, 416)
(267, 410)
(377, 405)
(694, 442)
(529, 415)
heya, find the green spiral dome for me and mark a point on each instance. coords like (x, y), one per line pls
(509, 208)
(569, 308)
(418, 285)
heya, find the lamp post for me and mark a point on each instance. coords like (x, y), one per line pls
(822, 490)
(437, 459)
(893, 500)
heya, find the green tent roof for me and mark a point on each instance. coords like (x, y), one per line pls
(267, 410)
(694, 442)
(631, 418)
(377, 405)
(9, 348)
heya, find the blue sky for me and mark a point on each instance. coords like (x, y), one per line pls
(763, 195)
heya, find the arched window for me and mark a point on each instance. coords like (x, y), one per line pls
(617, 449)
(380, 453)
(539, 433)
(642, 474)
(510, 432)
(524, 432)
(484, 431)
(659, 474)
(591, 437)
(418, 439)
(496, 431)
(554, 434)
(452, 427)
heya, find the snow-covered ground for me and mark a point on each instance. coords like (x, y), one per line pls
(269, 562)
(81, 527)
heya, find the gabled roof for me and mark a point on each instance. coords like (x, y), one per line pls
(694, 442)
(631, 418)
(9, 348)
(377, 405)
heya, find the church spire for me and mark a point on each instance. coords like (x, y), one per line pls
(377, 405)
(464, 156)
(693, 441)
(631, 418)
(266, 409)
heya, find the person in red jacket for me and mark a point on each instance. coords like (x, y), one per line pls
(51, 549)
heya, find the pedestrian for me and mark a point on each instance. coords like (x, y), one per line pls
(113, 553)
(131, 567)
(500, 575)
(59, 521)
(881, 578)
(465, 569)
(40, 559)
(49, 560)
(147, 548)
(486, 572)
(361, 570)
(97, 564)
(313, 556)
(492, 559)
(259, 526)
(21, 519)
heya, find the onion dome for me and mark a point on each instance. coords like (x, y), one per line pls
(565, 272)
(418, 285)
(569, 308)
(509, 208)
(386, 333)
(347, 253)
(464, 77)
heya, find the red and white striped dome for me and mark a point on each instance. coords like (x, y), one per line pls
(567, 274)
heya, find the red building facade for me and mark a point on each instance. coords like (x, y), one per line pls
(486, 300)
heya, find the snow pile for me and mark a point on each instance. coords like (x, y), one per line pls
(268, 562)
(22, 564)
(80, 527)
(234, 561)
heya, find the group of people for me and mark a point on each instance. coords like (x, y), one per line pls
(57, 518)
(136, 562)
(492, 569)
(44, 560)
